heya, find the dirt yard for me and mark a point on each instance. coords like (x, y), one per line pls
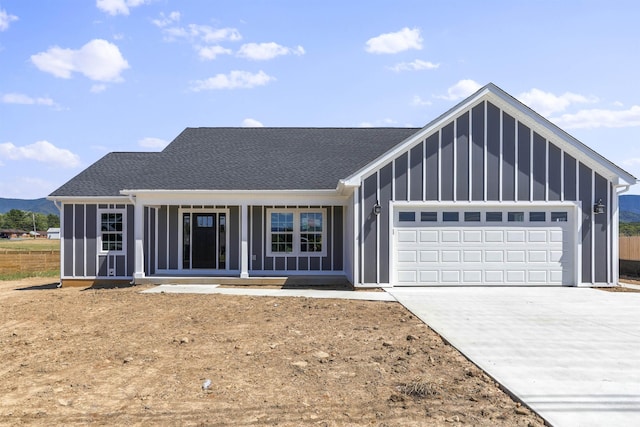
(118, 357)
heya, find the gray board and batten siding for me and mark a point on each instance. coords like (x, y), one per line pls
(79, 244)
(484, 155)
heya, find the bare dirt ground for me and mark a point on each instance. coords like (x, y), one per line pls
(118, 357)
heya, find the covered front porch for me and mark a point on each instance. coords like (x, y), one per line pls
(276, 239)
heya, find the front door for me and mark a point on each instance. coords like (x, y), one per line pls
(204, 239)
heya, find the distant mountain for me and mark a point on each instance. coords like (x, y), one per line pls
(630, 208)
(43, 206)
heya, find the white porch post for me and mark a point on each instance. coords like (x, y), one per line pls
(244, 245)
(138, 234)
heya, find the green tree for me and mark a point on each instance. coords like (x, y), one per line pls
(41, 222)
(17, 219)
(53, 221)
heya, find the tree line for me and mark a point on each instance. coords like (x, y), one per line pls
(16, 219)
(630, 228)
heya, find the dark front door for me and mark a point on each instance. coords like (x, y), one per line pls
(204, 245)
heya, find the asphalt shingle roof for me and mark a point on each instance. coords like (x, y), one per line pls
(240, 159)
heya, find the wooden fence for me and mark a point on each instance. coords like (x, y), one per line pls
(28, 261)
(630, 248)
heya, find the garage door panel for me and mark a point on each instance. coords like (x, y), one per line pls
(472, 255)
(537, 236)
(429, 276)
(407, 256)
(493, 256)
(472, 236)
(515, 256)
(450, 276)
(493, 236)
(484, 252)
(429, 236)
(428, 256)
(450, 256)
(494, 276)
(450, 236)
(537, 276)
(515, 236)
(516, 276)
(407, 236)
(407, 276)
(538, 256)
(472, 276)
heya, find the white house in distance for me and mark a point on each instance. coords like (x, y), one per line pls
(489, 193)
(53, 233)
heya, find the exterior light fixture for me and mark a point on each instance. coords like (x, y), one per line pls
(598, 208)
(377, 208)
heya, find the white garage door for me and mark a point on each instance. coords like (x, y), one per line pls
(483, 247)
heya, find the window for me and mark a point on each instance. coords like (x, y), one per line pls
(537, 216)
(558, 217)
(282, 232)
(494, 216)
(406, 216)
(311, 232)
(296, 232)
(111, 228)
(515, 216)
(450, 216)
(428, 216)
(472, 216)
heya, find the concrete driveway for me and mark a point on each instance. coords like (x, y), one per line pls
(571, 354)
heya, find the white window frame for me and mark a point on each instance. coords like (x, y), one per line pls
(106, 211)
(297, 250)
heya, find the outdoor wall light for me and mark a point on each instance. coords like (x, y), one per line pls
(377, 208)
(598, 208)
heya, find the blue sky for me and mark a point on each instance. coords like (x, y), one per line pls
(79, 79)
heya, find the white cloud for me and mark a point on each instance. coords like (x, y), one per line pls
(25, 187)
(150, 142)
(165, 20)
(118, 7)
(19, 98)
(202, 33)
(98, 60)
(400, 41)
(211, 52)
(6, 19)
(266, 51)
(419, 102)
(460, 90)
(546, 103)
(97, 88)
(416, 65)
(41, 151)
(599, 118)
(632, 162)
(387, 122)
(233, 80)
(251, 123)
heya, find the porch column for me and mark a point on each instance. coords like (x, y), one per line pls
(244, 239)
(138, 232)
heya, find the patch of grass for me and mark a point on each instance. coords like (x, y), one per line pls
(27, 274)
(30, 244)
(418, 388)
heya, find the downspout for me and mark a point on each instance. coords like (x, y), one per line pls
(619, 189)
(58, 206)
(132, 199)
